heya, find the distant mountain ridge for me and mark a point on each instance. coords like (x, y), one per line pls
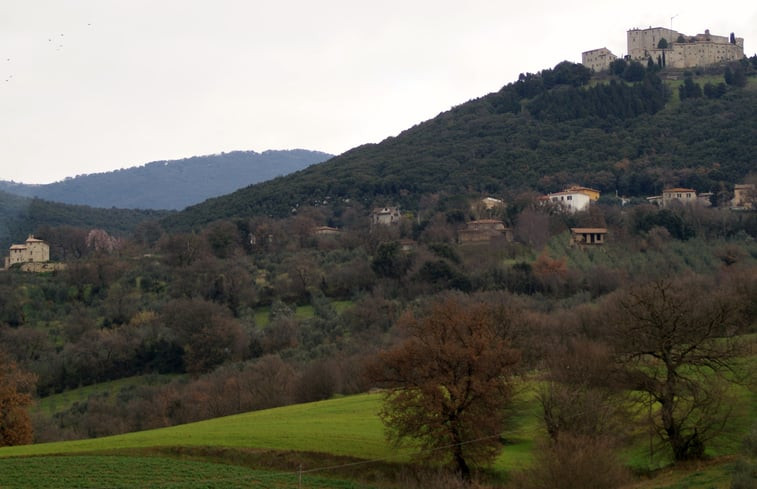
(174, 184)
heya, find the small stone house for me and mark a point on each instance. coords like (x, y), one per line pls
(490, 203)
(588, 236)
(484, 231)
(32, 251)
(385, 216)
(680, 195)
(744, 196)
(326, 231)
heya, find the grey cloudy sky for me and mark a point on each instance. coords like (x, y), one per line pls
(94, 85)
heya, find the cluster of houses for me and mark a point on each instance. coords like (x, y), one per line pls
(572, 199)
(743, 197)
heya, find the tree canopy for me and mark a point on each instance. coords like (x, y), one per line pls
(449, 381)
(15, 397)
(678, 343)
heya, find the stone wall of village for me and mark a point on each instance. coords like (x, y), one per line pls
(678, 51)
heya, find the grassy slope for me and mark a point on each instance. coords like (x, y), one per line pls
(349, 425)
(346, 427)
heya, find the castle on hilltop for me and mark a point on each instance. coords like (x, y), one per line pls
(670, 48)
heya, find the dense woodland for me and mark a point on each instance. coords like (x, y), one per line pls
(170, 185)
(20, 216)
(252, 309)
(625, 134)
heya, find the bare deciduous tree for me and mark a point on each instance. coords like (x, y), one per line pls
(678, 342)
(449, 382)
(580, 396)
(574, 461)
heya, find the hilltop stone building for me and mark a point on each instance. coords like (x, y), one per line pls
(32, 251)
(597, 59)
(671, 49)
(385, 216)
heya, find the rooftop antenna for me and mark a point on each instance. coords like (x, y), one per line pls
(671, 23)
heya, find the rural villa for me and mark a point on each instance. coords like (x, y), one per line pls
(33, 251)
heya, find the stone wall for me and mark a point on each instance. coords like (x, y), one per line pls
(642, 44)
(700, 50)
(598, 59)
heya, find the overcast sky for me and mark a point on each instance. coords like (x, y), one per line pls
(88, 86)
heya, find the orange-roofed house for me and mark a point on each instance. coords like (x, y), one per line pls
(680, 195)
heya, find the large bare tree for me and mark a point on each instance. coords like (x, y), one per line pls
(449, 381)
(678, 344)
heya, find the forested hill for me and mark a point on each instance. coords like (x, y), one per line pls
(171, 184)
(629, 132)
(21, 216)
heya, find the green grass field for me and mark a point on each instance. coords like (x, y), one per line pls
(338, 443)
(346, 427)
(263, 314)
(63, 401)
(128, 472)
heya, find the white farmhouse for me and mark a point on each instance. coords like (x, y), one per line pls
(571, 200)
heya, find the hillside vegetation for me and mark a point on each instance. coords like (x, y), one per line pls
(20, 216)
(631, 354)
(171, 185)
(540, 133)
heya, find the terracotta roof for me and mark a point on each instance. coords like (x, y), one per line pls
(486, 221)
(577, 187)
(568, 192)
(589, 230)
(678, 189)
